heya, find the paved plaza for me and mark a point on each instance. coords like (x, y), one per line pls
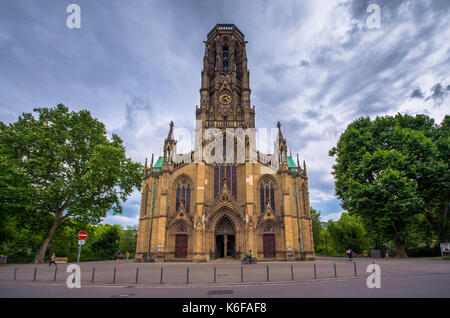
(277, 279)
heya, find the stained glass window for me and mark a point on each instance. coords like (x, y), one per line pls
(267, 194)
(183, 194)
(222, 171)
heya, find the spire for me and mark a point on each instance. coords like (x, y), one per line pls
(298, 163)
(145, 167)
(151, 164)
(170, 135)
(304, 167)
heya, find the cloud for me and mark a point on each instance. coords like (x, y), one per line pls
(315, 66)
(417, 93)
(331, 216)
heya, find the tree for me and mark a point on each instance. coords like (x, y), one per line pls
(106, 244)
(390, 170)
(69, 167)
(348, 232)
(316, 226)
(128, 239)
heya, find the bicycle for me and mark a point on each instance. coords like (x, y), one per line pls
(249, 260)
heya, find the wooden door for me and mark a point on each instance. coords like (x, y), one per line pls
(269, 245)
(181, 246)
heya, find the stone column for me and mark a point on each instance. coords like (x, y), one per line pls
(199, 242)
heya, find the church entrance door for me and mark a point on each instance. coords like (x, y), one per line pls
(181, 246)
(269, 245)
(225, 239)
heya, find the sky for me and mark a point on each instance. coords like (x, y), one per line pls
(315, 66)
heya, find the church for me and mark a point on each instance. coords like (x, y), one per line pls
(224, 198)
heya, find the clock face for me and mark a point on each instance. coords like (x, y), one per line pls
(225, 99)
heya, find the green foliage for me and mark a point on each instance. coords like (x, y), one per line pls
(390, 170)
(61, 165)
(128, 241)
(316, 226)
(107, 242)
(348, 233)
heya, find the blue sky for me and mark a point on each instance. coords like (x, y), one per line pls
(314, 65)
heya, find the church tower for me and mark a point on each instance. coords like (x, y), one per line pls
(202, 206)
(225, 88)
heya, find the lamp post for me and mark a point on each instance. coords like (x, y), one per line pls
(324, 224)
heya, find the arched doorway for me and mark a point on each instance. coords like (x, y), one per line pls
(269, 247)
(225, 235)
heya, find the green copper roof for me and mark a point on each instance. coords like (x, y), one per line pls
(291, 163)
(158, 164)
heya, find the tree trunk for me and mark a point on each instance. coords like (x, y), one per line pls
(400, 248)
(40, 255)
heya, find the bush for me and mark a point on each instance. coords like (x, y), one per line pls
(425, 251)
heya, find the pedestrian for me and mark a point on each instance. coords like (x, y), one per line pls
(128, 255)
(52, 260)
(118, 256)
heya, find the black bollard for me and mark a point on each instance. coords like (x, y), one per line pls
(354, 265)
(242, 274)
(335, 272)
(187, 275)
(315, 272)
(15, 272)
(267, 272)
(114, 277)
(214, 274)
(137, 274)
(161, 279)
(56, 270)
(93, 274)
(35, 269)
(292, 272)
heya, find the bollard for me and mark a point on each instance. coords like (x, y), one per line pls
(242, 274)
(292, 272)
(315, 272)
(137, 274)
(214, 274)
(35, 269)
(187, 275)
(267, 272)
(56, 270)
(335, 273)
(161, 279)
(15, 272)
(114, 277)
(354, 265)
(93, 274)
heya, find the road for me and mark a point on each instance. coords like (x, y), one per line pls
(409, 286)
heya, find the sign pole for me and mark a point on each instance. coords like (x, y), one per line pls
(82, 235)
(79, 252)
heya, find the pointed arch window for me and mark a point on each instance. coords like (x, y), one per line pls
(267, 194)
(225, 60)
(222, 171)
(183, 199)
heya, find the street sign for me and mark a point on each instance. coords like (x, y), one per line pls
(81, 242)
(82, 235)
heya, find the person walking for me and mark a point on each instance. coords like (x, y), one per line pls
(52, 260)
(118, 256)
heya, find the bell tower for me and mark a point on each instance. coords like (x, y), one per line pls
(225, 89)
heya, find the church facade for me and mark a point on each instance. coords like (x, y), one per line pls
(225, 197)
